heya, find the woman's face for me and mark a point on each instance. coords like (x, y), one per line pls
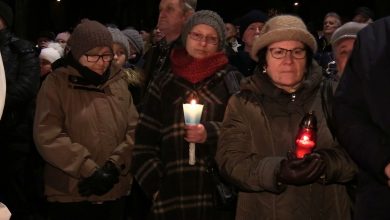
(202, 41)
(288, 69)
(97, 59)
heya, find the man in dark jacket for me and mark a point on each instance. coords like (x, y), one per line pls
(250, 27)
(361, 110)
(21, 64)
(172, 17)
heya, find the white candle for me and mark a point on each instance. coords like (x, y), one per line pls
(192, 114)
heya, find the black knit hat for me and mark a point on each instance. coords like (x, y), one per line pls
(88, 35)
(251, 17)
(365, 12)
(205, 17)
(6, 13)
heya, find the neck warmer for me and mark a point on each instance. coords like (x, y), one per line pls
(196, 70)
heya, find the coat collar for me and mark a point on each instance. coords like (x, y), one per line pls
(261, 85)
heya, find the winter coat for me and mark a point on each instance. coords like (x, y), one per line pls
(362, 110)
(259, 128)
(160, 160)
(21, 66)
(157, 59)
(78, 127)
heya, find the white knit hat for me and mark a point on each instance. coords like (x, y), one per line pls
(52, 52)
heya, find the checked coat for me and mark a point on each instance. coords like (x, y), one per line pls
(160, 160)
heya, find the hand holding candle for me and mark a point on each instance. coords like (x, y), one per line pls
(192, 114)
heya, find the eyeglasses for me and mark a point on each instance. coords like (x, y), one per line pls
(200, 37)
(95, 58)
(280, 53)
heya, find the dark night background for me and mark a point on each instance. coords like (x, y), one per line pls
(31, 16)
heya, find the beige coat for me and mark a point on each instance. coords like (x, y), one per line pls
(78, 128)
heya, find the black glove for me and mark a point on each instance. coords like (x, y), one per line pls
(101, 181)
(294, 171)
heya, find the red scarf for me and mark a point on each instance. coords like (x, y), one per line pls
(196, 70)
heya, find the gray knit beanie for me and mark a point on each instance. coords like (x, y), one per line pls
(119, 38)
(135, 39)
(88, 35)
(205, 17)
(347, 30)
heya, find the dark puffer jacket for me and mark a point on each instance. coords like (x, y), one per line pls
(21, 66)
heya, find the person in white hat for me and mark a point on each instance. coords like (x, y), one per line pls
(48, 56)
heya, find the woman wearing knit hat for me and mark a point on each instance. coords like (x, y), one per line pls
(84, 129)
(136, 44)
(261, 126)
(48, 55)
(122, 51)
(200, 71)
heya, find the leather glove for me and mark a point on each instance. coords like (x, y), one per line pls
(294, 171)
(101, 181)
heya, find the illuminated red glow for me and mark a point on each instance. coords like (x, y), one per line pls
(305, 142)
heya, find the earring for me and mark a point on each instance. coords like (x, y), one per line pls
(264, 69)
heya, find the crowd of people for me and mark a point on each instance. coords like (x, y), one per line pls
(200, 119)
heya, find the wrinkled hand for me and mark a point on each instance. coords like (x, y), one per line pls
(294, 171)
(101, 181)
(195, 133)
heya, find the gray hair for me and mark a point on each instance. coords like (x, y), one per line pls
(333, 14)
(190, 5)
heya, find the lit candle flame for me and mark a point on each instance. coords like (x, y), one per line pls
(193, 102)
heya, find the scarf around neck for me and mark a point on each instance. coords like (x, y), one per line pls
(196, 70)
